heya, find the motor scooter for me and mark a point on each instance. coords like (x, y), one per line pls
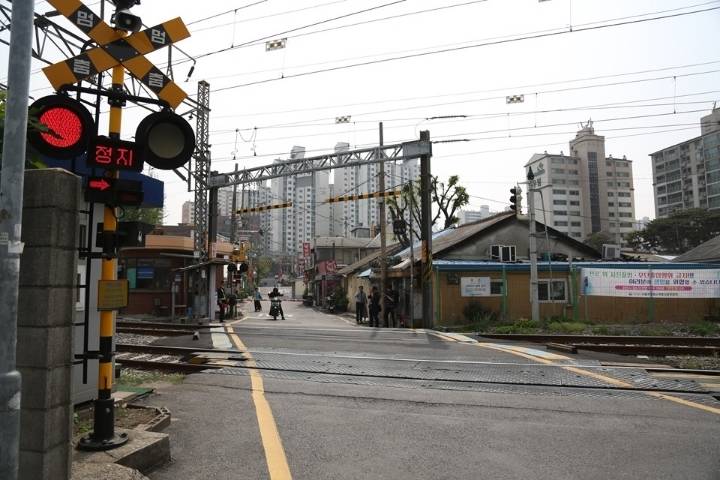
(274, 307)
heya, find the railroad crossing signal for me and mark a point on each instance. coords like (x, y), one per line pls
(363, 196)
(68, 127)
(115, 49)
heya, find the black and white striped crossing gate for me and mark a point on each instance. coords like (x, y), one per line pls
(263, 208)
(117, 49)
(363, 196)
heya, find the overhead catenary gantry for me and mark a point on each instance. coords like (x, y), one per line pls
(330, 161)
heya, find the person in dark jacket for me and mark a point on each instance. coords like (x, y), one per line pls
(374, 307)
(276, 294)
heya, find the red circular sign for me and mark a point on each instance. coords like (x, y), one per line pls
(65, 127)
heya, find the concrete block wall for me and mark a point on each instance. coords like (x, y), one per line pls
(46, 307)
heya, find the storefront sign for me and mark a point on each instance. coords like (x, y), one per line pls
(306, 249)
(475, 286)
(609, 282)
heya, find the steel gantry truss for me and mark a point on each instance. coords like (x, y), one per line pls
(201, 170)
(330, 161)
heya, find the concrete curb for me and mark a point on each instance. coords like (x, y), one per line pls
(145, 451)
(104, 471)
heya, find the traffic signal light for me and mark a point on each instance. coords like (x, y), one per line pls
(515, 199)
(165, 140)
(65, 127)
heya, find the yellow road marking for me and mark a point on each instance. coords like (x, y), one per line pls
(605, 378)
(272, 444)
(687, 403)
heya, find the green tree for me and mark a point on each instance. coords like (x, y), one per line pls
(598, 239)
(447, 199)
(32, 159)
(678, 233)
(153, 216)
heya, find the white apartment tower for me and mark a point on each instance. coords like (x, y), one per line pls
(687, 175)
(585, 192)
(188, 213)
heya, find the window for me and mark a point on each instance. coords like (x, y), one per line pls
(575, 224)
(625, 204)
(561, 224)
(575, 213)
(559, 192)
(576, 234)
(560, 213)
(496, 287)
(557, 161)
(611, 214)
(626, 224)
(610, 184)
(573, 182)
(609, 174)
(573, 172)
(558, 170)
(503, 253)
(575, 203)
(574, 192)
(626, 214)
(611, 204)
(559, 202)
(552, 291)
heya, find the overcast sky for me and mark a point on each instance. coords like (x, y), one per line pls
(678, 60)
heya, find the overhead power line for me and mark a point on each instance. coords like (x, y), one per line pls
(455, 49)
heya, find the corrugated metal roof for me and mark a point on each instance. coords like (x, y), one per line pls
(705, 252)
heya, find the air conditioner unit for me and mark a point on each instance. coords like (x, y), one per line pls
(610, 252)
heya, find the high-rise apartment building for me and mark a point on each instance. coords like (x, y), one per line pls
(188, 213)
(687, 175)
(585, 192)
(469, 216)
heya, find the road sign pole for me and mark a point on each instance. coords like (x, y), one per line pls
(103, 435)
(11, 198)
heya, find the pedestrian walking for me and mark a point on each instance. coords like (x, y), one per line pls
(374, 309)
(232, 304)
(360, 305)
(221, 301)
(257, 296)
(390, 306)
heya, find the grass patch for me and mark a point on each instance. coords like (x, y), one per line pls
(134, 378)
(705, 329)
(522, 325)
(566, 327)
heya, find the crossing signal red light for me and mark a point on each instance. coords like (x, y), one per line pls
(64, 127)
(165, 140)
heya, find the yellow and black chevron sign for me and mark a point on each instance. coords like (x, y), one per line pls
(116, 49)
(363, 196)
(264, 208)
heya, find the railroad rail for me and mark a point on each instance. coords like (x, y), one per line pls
(605, 339)
(181, 367)
(169, 325)
(623, 345)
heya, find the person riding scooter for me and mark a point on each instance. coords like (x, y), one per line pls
(276, 302)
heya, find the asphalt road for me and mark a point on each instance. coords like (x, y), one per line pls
(323, 398)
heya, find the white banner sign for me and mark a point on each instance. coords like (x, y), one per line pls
(609, 282)
(475, 286)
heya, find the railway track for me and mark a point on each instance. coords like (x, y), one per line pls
(167, 358)
(159, 329)
(623, 345)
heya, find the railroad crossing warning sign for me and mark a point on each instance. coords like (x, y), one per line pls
(363, 196)
(112, 294)
(116, 49)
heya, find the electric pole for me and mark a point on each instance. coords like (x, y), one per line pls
(383, 246)
(11, 198)
(534, 305)
(426, 235)
(233, 214)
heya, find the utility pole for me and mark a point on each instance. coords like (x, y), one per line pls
(426, 235)
(383, 246)
(11, 198)
(233, 214)
(534, 305)
(212, 238)
(412, 257)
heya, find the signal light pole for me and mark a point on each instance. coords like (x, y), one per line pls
(103, 435)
